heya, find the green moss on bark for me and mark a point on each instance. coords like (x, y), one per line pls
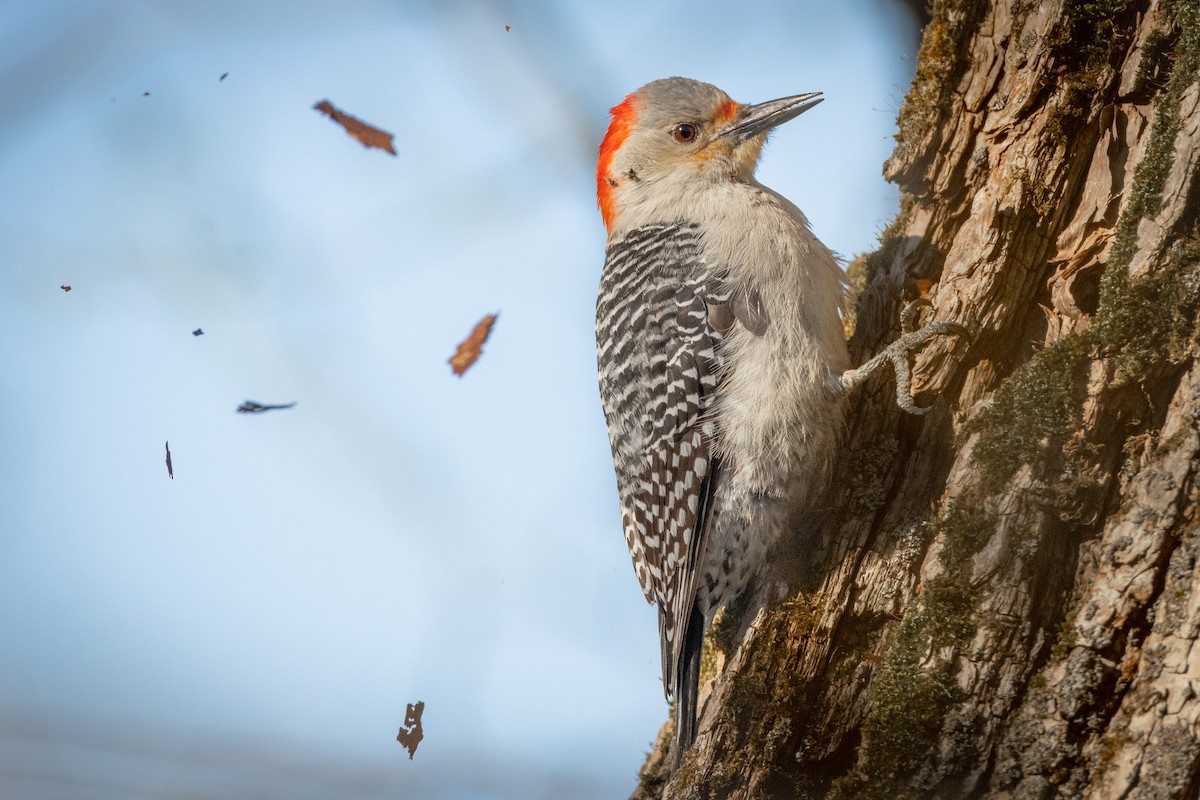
(1141, 323)
(916, 689)
(941, 59)
(1086, 46)
(1033, 413)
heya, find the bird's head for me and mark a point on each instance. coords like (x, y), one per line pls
(683, 133)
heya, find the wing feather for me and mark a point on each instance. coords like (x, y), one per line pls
(658, 358)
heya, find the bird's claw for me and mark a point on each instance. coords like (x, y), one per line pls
(898, 353)
(908, 314)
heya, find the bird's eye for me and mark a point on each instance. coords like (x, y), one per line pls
(684, 133)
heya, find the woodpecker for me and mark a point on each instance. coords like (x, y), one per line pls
(721, 355)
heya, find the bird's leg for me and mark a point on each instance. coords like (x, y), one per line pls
(898, 353)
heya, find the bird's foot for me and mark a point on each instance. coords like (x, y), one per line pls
(898, 353)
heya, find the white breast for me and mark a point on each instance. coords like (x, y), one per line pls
(777, 421)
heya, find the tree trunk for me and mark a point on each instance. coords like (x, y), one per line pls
(1002, 598)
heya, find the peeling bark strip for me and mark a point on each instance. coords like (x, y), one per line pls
(1002, 599)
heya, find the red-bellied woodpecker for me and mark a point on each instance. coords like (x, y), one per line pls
(722, 357)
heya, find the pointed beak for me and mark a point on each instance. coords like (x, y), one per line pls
(756, 119)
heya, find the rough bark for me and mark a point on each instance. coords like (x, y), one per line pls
(1001, 599)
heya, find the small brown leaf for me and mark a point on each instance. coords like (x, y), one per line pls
(507, 28)
(471, 348)
(410, 734)
(923, 285)
(369, 136)
(224, 75)
(66, 287)
(170, 469)
(198, 332)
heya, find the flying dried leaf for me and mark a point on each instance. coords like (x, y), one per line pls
(251, 407)
(369, 136)
(66, 287)
(410, 734)
(224, 75)
(170, 469)
(470, 349)
(145, 94)
(198, 332)
(507, 28)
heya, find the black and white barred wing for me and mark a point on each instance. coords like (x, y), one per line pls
(657, 365)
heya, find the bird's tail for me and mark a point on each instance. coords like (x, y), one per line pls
(687, 685)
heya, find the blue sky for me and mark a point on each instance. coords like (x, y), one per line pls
(256, 625)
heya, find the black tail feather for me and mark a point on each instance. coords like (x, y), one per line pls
(687, 685)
